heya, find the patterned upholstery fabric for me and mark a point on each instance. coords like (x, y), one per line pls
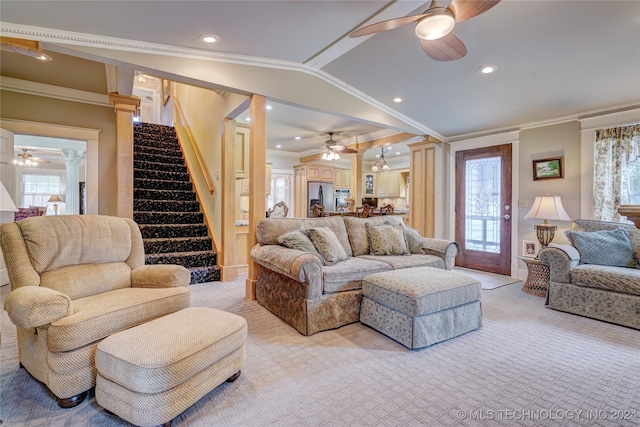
(419, 307)
(386, 239)
(602, 292)
(23, 213)
(297, 239)
(590, 244)
(312, 297)
(327, 244)
(149, 374)
(414, 240)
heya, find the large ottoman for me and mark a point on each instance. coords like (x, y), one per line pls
(422, 306)
(149, 374)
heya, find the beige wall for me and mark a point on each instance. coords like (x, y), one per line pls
(32, 108)
(204, 112)
(541, 143)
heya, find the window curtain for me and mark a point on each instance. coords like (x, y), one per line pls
(615, 149)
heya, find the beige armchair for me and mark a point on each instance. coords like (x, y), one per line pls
(75, 280)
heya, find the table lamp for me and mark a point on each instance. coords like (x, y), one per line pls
(54, 199)
(546, 208)
(6, 204)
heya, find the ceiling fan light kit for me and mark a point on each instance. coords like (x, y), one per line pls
(438, 23)
(25, 159)
(434, 27)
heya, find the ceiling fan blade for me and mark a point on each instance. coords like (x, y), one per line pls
(389, 24)
(349, 151)
(464, 9)
(448, 48)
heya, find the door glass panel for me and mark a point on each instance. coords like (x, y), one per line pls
(482, 205)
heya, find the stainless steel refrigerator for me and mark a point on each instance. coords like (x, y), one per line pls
(320, 193)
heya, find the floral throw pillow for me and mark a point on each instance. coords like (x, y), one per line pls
(297, 239)
(386, 239)
(414, 240)
(604, 247)
(327, 244)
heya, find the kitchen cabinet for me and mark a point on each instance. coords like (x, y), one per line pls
(387, 184)
(319, 173)
(369, 182)
(341, 178)
(242, 151)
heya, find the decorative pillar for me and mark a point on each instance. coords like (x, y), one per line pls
(72, 160)
(356, 178)
(126, 107)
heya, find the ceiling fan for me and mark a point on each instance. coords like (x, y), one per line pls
(434, 27)
(332, 149)
(26, 159)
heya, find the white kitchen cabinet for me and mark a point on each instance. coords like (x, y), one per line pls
(388, 184)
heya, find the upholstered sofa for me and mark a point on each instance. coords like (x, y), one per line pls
(598, 276)
(314, 295)
(75, 280)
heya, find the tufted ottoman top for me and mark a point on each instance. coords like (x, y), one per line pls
(419, 291)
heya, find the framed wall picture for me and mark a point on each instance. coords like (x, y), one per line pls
(166, 91)
(530, 248)
(548, 168)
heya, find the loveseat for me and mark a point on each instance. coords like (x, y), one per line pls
(316, 290)
(75, 280)
(598, 276)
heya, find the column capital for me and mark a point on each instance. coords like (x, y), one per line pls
(73, 157)
(124, 103)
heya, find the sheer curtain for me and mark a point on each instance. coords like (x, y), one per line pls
(615, 150)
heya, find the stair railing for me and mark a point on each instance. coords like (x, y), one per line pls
(201, 168)
(194, 148)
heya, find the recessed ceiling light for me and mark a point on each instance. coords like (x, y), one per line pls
(297, 138)
(269, 107)
(43, 57)
(278, 146)
(210, 38)
(397, 99)
(397, 152)
(247, 119)
(488, 69)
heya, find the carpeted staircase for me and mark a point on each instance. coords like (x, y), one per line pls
(165, 205)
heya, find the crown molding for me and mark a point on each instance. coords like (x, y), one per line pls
(42, 89)
(112, 43)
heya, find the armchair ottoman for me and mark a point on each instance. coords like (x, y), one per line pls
(75, 280)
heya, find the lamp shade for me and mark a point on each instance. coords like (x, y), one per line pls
(6, 204)
(54, 199)
(548, 207)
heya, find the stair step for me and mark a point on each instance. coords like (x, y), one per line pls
(186, 259)
(168, 217)
(158, 158)
(145, 193)
(177, 244)
(158, 231)
(164, 143)
(159, 184)
(168, 167)
(163, 175)
(146, 149)
(149, 205)
(153, 128)
(204, 274)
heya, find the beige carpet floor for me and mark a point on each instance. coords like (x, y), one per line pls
(488, 280)
(527, 366)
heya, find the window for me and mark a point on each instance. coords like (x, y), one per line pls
(634, 182)
(280, 190)
(38, 187)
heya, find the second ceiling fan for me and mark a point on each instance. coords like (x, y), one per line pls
(434, 27)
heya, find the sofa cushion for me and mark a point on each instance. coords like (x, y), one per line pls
(269, 229)
(298, 239)
(386, 239)
(592, 225)
(414, 240)
(327, 244)
(590, 244)
(98, 316)
(347, 275)
(616, 279)
(358, 234)
(411, 261)
(79, 281)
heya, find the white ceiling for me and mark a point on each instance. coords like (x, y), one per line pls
(555, 59)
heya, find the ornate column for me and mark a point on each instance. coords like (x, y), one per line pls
(126, 107)
(72, 160)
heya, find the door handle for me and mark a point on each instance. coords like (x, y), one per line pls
(507, 216)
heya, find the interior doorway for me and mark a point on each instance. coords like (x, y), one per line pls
(484, 208)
